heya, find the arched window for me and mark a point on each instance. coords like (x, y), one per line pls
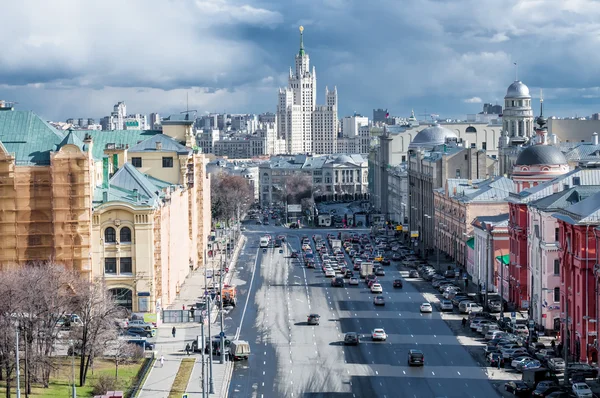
(471, 129)
(110, 235)
(125, 235)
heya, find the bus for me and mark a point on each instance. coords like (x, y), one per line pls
(264, 241)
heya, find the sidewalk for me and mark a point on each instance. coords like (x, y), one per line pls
(160, 380)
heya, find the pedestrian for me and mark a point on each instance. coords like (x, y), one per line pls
(553, 345)
(162, 361)
(464, 322)
(499, 362)
(173, 331)
(183, 307)
(187, 349)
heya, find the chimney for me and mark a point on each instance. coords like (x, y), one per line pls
(158, 146)
(104, 196)
(595, 138)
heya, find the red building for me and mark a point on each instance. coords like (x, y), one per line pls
(533, 172)
(517, 231)
(578, 256)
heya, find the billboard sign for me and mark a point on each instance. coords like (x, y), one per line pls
(294, 208)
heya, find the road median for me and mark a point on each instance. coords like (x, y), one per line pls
(182, 378)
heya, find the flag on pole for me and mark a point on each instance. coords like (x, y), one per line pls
(387, 114)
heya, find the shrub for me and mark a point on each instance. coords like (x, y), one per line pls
(103, 384)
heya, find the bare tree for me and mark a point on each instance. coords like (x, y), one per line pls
(97, 310)
(8, 307)
(124, 352)
(231, 196)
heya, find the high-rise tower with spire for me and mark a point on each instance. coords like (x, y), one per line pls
(306, 127)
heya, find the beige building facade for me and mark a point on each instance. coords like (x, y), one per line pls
(130, 208)
(459, 203)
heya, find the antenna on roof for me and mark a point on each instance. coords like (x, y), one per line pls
(516, 71)
(187, 107)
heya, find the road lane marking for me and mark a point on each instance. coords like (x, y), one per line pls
(458, 372)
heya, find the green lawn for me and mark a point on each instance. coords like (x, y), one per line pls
(60, 379)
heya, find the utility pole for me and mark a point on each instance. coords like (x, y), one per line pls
(203, 378)
(487, 269)
(566, 344)
(211, 387)
(502, 286)
(17, 364)
(222, 334)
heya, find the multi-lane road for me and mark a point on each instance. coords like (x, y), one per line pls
(291, 359)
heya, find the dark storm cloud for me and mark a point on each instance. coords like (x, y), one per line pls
(233, 54)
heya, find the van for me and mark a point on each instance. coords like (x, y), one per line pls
(471, 307)
(489, 328)
(239, 349)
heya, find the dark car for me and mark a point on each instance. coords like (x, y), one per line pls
(338, 281)
(141, 343)
(584, 369)
(398, 283)
(348, 274)
(396, 257)
(313, 319)
(541, 390)
(380, 272)
(449, 274)
(517, 388)
(385, 261)
(293, 226)
(545, 391)
(413, 273)
(416, 358)
(351, 338)
(294, 254)
(138, 332)
(277, 242)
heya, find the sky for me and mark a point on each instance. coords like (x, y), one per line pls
(74, 58)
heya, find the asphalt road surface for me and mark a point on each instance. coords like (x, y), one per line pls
(291, 359)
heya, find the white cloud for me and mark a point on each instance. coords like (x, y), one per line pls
(473, 100)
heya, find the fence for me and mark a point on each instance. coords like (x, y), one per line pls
(181, 316)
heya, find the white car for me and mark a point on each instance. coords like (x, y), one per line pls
(379, 334)
(426, 307)
(446, 305)
(582, 390)
(353, 281)
(376, 288)
(329, 272)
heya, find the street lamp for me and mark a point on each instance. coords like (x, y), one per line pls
(74, 389)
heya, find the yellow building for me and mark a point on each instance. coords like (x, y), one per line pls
(130, 207)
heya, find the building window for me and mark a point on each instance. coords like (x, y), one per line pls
(576, 181)
(557, 267)
(110, 236)
(125, 235)
(457, 173)
(136, 162)
(484, 145)
(403, 158)
(557, 294)
(125, 265)
(110, 265)
(556, 234)
(168, 162)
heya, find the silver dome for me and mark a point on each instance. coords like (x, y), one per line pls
(344, 159)
(517, 90)
(432, 136)
(541, 155)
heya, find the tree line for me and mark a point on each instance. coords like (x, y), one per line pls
(37, 301)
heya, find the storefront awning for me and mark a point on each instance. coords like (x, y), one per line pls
(504, 259)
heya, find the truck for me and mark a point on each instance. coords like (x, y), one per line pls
(239, 349)
(336, 243)
(532, 377)
(366, 268)
(228, 295)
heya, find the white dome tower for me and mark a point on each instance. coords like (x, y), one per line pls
(517, 125)
(517, 118)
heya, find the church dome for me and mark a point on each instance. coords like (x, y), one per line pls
(432, 136)
(517, 90)
(541, 155)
